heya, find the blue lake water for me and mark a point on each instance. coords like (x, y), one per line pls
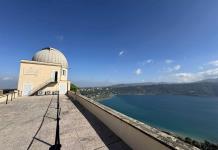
(186, 116)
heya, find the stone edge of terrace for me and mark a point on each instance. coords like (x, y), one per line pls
(162, 137)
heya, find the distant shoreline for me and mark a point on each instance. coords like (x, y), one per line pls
(104, 98)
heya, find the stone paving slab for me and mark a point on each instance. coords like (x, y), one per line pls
(79, 129)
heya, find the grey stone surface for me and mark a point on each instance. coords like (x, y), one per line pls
(79, 129)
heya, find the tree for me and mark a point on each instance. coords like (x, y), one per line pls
(73, 87)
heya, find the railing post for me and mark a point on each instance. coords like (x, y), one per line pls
(7, 99)
(11, 96)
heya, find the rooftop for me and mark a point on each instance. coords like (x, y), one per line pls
(29, 122)
(51, 55)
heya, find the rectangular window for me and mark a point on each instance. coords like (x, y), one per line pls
(64, 72)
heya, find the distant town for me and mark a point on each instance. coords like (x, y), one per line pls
(201, 88)
(97, 93)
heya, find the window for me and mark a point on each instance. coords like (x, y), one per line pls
(64, 72)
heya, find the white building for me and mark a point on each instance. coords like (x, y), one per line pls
(46, 73)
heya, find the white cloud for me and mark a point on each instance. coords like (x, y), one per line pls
(175, 68)
(148, 61)
(121, 53)
(138, 71)
(201, 68)
(60, 37)
(210, 73)
(169, 61)
(191, 77)
(214, 63)
(185, 77)
(7, 78)
(8, 82)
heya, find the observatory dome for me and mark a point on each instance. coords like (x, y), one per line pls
(51, 55)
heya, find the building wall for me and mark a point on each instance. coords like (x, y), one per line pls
(35, 74)
(65, 75)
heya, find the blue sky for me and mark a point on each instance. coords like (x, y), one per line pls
(113, 41)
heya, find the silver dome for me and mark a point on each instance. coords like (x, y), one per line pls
(51, 55)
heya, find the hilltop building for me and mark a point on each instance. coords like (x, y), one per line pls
(46, 73)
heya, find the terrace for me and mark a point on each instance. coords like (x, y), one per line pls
(31, 123)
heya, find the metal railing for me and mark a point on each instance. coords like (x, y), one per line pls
(32, 92)
(57, 145)
(11, 96)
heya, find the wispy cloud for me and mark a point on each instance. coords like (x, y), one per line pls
(138, 71)
(7, 78)
(169, 61)
(175, 68)
(214, 63)
(191, 77)
(8, 82)
(210, 73)
(148, 61)
(60, 37)
(185, 77)
(201, 68)
(121, 53)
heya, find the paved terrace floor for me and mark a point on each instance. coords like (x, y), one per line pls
(24, 124)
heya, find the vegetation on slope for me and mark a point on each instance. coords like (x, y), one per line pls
(73, 87)
(192, 89)
(202, 145)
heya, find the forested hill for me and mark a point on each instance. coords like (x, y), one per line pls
(202, 88)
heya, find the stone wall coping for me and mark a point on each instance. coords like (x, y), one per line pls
(164, 138)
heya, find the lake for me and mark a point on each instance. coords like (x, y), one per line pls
(186, 116)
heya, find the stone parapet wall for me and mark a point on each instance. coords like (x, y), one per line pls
(5, 98)
(133, 132)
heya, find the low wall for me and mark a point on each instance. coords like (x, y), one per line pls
(6, 98)
(133, 132)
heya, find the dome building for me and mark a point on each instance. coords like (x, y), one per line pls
(51, 55)
(47, 73)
